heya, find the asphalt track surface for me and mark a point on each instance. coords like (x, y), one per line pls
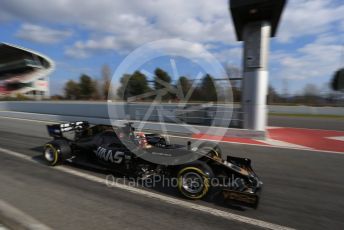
(302, 190)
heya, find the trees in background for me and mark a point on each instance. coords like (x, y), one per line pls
(133, 85)
(137, 84)
(208, 89)
(234, 73)
(121, 90)
(191, 90)
(163, 81)
(273, 96)
(96, 95)
(310, 90)
(106, 80)
(184, 85)
(72, 90)
(311, 93)
(204, 89)
(86, 88)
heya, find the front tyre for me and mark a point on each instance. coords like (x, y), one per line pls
(193, 182)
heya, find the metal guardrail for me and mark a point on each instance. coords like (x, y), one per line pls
(203, 116)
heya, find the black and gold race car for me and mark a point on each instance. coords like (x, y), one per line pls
(199, 170)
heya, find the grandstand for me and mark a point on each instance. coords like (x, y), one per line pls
(24, 72)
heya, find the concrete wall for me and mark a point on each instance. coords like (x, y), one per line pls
(3, 106)
(59, 108)
(170, 112)
(137, 111)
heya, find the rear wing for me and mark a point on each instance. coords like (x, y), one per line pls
(57, 130)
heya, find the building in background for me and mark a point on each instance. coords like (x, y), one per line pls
(24, 72)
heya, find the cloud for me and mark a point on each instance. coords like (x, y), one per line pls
(230, 56)
(130, 25)
(178, 47)
(124, 44)
(304, 17)
(312, 63)
(42, 34)
(83, 49)
(193, 20)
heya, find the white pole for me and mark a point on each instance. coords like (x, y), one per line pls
(256, 38)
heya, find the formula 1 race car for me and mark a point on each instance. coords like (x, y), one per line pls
(141, 155)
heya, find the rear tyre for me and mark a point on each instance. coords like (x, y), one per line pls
(55, 152)
(194, 181)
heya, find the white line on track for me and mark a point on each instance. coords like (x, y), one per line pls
(170, 200)
(341, 138)
(278, 143)
(3, 227)
(16, 219)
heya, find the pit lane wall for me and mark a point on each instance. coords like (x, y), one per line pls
(97, 112)
(99, 109)
(171, 113)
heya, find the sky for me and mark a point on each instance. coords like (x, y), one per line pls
(81, 36)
